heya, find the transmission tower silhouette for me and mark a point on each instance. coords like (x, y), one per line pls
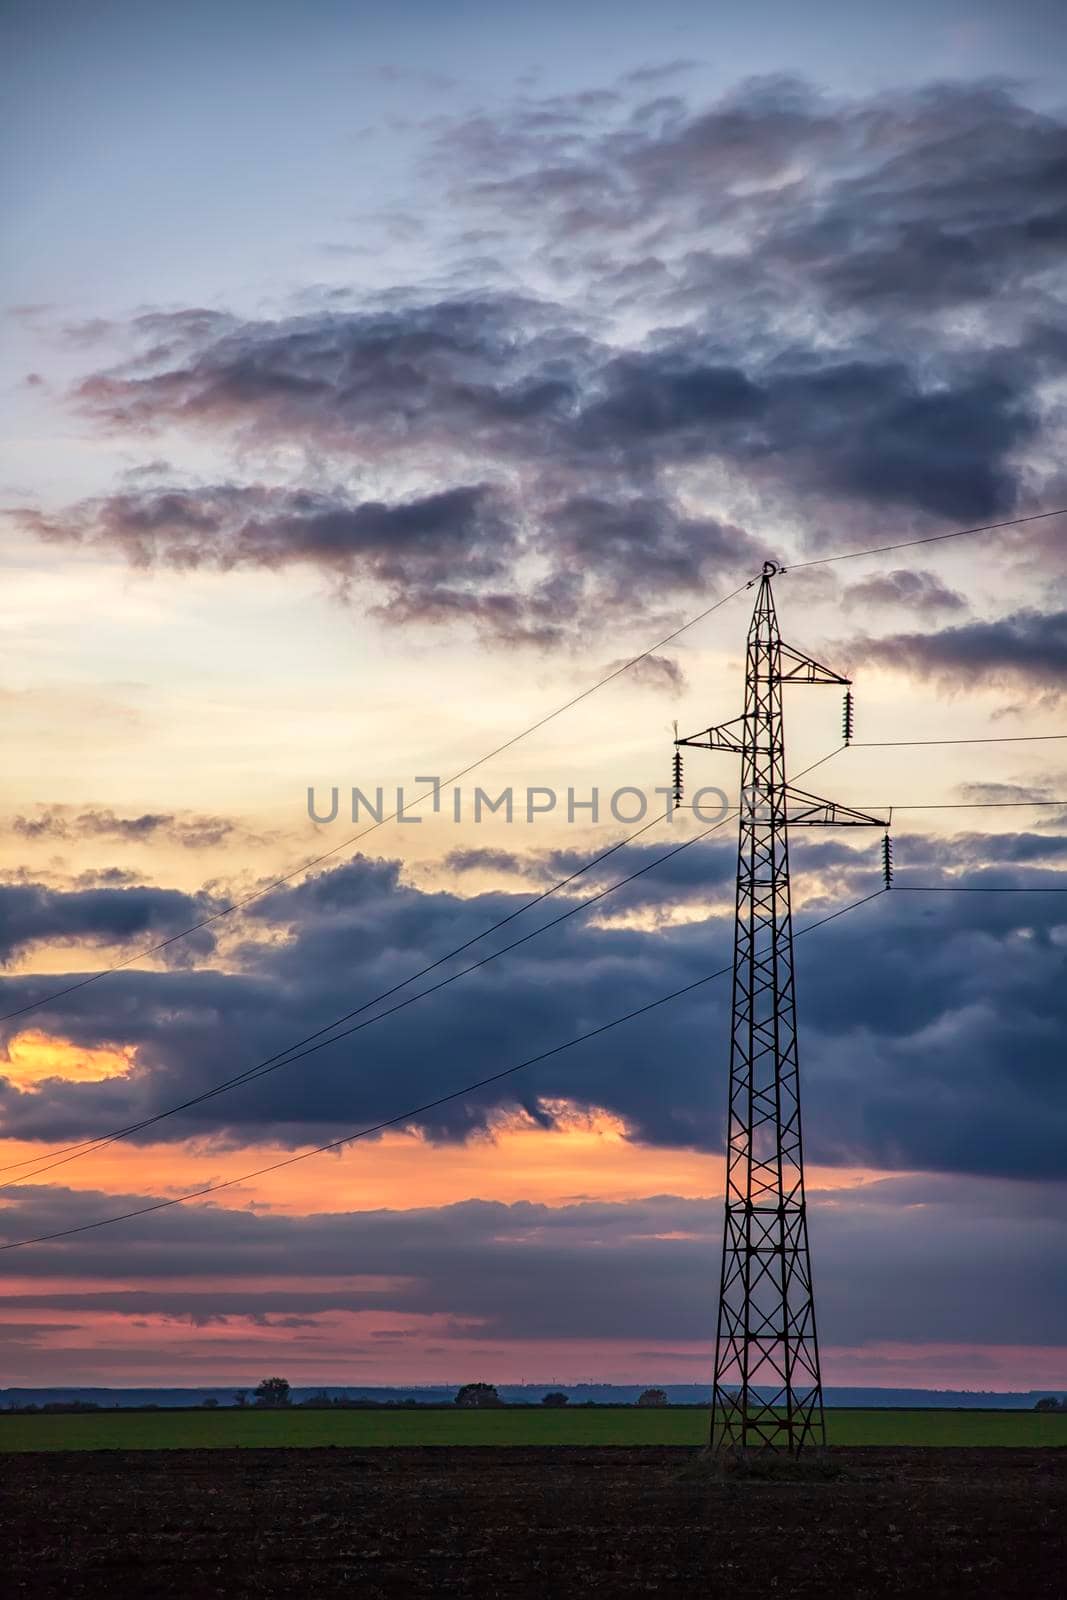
(767, 1390)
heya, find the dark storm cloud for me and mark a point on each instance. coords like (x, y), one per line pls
(34, 914)
(443, 557)
(872, 429)
(968, 206)
(654, 672)
(955, 1066)
(916, 590)
(485, 367)
(701, 872)
(1010, 792)
(901, 1259)
(868, 430)
(642, 540)
(983, 853)
(627, 172)
(642, 77)
(668, 399)
(483, 859)
(753, 135)
(698, 873)
(788, 306)
(592, 431)
(421, 553)
(1027, 648)
(103, 878)
(63, 822)
(228, 527)
(849, 304)
(903, 203)
(608, 538)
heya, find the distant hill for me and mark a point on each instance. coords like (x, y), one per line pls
(530, 1394)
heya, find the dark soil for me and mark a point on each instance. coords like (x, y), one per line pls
(523, 1523)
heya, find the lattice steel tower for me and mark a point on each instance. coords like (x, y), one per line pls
(767, 1390)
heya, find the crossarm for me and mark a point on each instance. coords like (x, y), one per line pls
(795, 667)
(721, 738)
(809, 811)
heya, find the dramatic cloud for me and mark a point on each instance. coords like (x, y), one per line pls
(439, 553)
(643, 542)
(914, 589)
(1009, 793)
(229, 527)
(790, 305)
(902, 1259)
(953, 1005)
(479, 859)
(65, 822)
(877, 429)
(900, 204)
(655, 672)
(32, 914)
(856, 428)
(450, 556)
(489, 369)
(977, 856)
(1027, 649)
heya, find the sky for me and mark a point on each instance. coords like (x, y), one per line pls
(377, 380)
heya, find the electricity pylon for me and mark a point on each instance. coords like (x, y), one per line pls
(767, 1390)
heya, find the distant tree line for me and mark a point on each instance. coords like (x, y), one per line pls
(1050, 1403)
(275, 1394)
(66, 1407)
(485, 1394)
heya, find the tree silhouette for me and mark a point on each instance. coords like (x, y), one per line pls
(273, 1392)
(478, 1395)
(556, 1398)
(652, 1397)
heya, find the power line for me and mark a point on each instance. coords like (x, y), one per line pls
(972, 805)
(934, 538)
(297, 1050)
(980, 888)
(416, 1111)
(1007, 738)
(932, 805)
(822, 759)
